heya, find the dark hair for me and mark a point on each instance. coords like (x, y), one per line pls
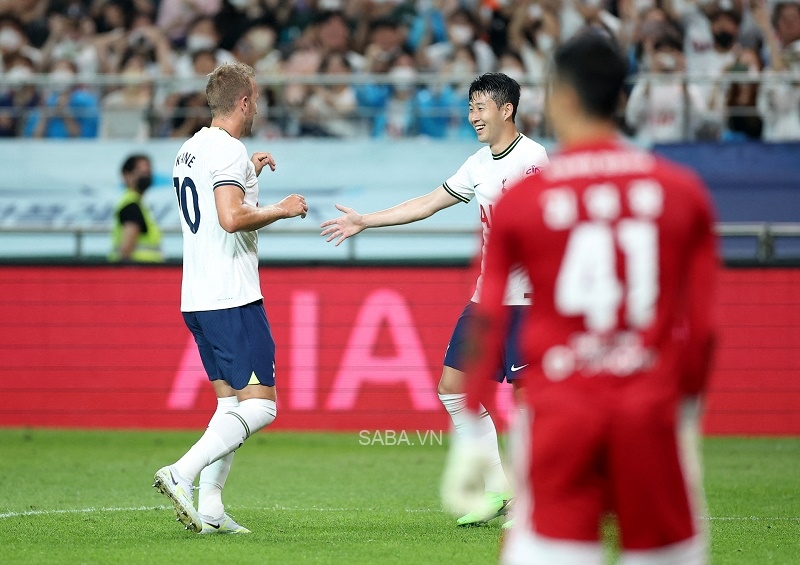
(593, 65)
(130, 162)
(778, 9)
(499, 87)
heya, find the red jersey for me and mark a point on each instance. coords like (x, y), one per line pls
(620, 249)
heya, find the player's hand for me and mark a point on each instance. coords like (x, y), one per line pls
(344, 226)
(262, 158)
(462, 488)
(294, 205)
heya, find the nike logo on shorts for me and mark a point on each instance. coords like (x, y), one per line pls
(514, 368)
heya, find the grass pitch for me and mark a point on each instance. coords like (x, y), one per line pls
(85, 497)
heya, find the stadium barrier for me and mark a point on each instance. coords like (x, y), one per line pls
(358, 348)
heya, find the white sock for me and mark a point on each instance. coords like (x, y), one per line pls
(213, 477)
(225, 434)
(456, 404)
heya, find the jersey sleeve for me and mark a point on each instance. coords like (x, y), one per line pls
(461, 184)
(490, 326)
(700, 313)
(229, 165)
(133, 213)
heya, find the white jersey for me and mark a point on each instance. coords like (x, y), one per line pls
(220, 269)
(486, 176)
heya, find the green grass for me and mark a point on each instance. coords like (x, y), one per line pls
(85, 497)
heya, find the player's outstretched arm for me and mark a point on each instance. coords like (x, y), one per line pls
(235, 215)
(409, 211)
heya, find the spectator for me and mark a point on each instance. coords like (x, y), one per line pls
(440, 106)
(531, 100)
(202, 36)
(779, 96)
(14, 43)
(386, 40)
(190, 107)
(330, 110)
(534, 32)
(70, 110)
(31, 15)
(125, 111)
(256, 48)
(664, 109)
(72, 37)
(175, 17)
(396, 115)
(742, 121)
(19, 99)
(462, 30)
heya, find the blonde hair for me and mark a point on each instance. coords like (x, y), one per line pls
(227, 85)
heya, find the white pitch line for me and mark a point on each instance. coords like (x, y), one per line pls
(6, 515)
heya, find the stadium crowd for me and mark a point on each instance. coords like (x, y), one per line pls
(700, 69)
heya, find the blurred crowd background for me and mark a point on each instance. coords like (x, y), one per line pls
(722, 70)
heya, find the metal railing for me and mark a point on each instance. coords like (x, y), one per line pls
(764, 234)
(159, 118)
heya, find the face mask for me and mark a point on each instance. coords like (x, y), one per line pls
(143, 183)
(61, 78)
(405, 77)
(18, 74)
(195, 43)
(667, 61)
(724, 39)
(545, 42)
(461, 34)
(10, 40)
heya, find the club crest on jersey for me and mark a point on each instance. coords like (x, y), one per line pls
(503, 189)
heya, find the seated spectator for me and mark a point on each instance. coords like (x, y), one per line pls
(442, 108)
(663, 109)
(187, 109)
(72, 37)
(330, 110)
(202, 36)
(742, 121)
(70, 110)
(531, 100)
(395, 116)
(779, 95)
(191, 114)
(256, 47)
(385, 44)
(462, 29)
(20, 98)
(14, 43)
(175, 17)
(534, 32)
(126, 110)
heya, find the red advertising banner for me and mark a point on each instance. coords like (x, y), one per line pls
(358, 349)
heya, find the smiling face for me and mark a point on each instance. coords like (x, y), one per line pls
(487, 119)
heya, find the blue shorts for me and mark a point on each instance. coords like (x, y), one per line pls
(512, 366)
(235, 344)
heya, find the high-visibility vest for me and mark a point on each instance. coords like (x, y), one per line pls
(148, 244)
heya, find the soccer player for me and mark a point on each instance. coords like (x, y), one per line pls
(508, 157)
(217, 188)
(620, 248)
